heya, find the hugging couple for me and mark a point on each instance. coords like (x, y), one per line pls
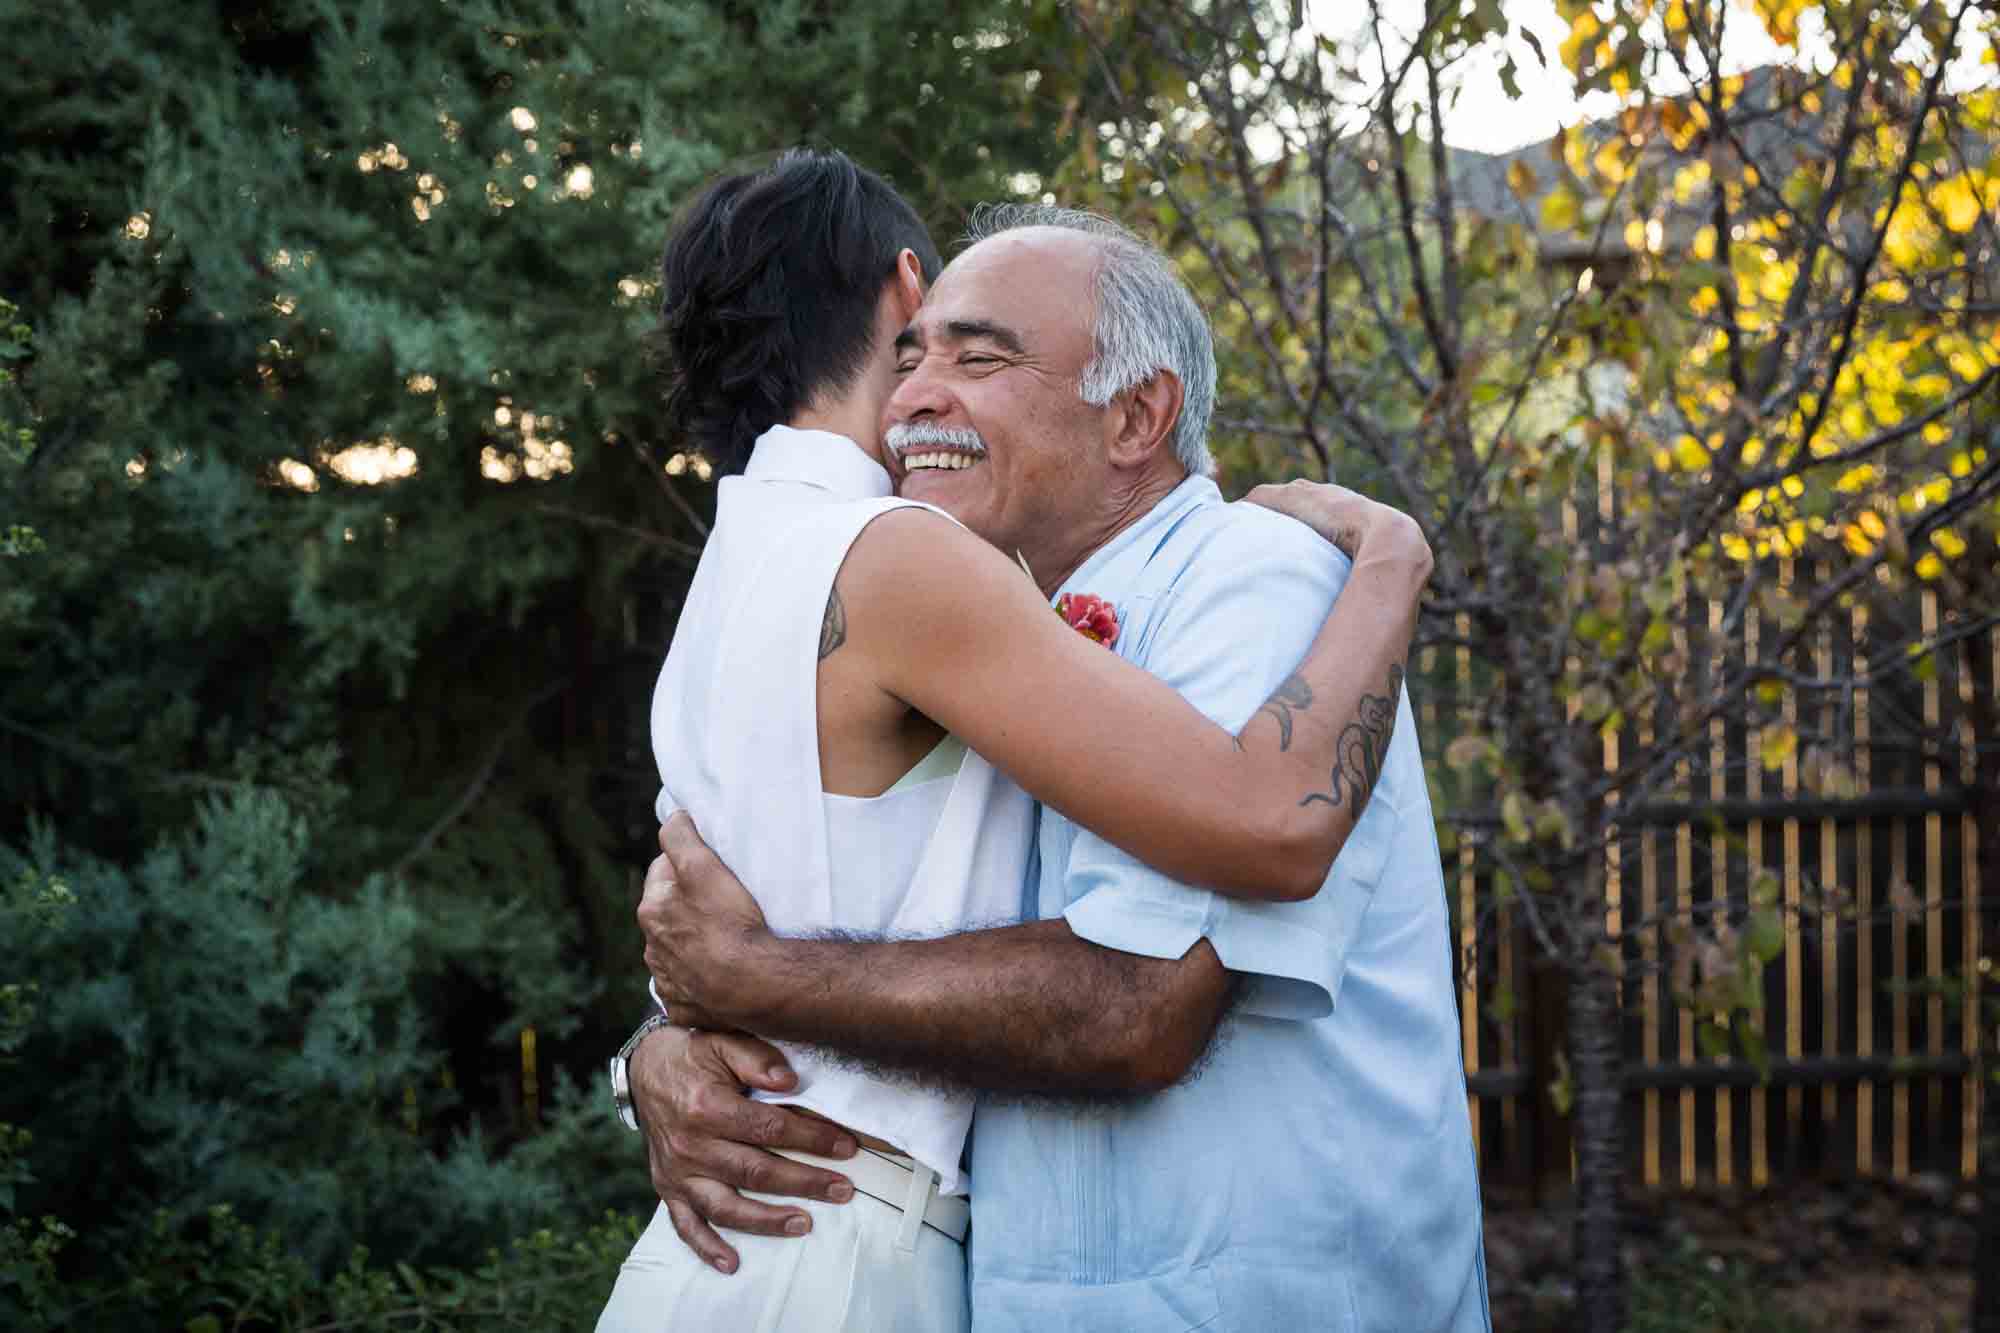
(1085, 970)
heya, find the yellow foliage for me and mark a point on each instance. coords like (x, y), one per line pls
(1949, 543)
(1582, 30)
(1857, 479)
(1958, 201)
(1609, 161)
(1856, 540)
(1704, 300)
(1751, 501)
(1704, 240)
(1689, 454)
(1872, 524)
(1781, 19)
(1635, 234)
(1735, 547)
(1908, 236)
(1793, 487)
(1775, 283)
(1930, 566)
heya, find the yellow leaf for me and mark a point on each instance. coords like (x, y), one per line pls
(1856, 479)
(1735, 547)
(1704, 243)
(1872, 524)
(1752, 498)
(1559, 209)
(1958, 202)
(1856, 540)
(1610, 160)
(1793, 486)
(1949, 543)
(1930, 566)
(1775, 283)
(1635, 234)
(1779, 744)
(1689, 454)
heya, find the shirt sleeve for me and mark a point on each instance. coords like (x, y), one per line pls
(1235, 625)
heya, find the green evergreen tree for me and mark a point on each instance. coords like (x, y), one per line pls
(342, 544)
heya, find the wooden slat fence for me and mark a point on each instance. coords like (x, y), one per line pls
(1870, 1068)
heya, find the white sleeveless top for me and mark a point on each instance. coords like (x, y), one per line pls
(736, 735)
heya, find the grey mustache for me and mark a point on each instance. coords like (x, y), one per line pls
(905, 436)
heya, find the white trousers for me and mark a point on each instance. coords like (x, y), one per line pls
(845, 1276)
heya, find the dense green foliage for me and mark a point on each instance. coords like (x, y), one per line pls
(341, 545)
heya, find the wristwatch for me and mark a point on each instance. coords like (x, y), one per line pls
(621, 1074)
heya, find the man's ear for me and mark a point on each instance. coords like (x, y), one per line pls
(909, 284)
(1142, 420)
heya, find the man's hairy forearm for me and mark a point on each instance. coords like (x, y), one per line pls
(1029, 1008)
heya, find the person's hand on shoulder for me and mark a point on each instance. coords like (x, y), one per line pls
(1350, 520)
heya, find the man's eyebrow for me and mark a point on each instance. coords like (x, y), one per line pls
(909, 337)
(965, 330)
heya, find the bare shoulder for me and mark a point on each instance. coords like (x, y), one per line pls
(916, 555)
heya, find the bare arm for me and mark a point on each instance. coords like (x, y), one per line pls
(952, 629)
(1028, 1008)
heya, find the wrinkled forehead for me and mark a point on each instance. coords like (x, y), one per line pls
(1038, 281)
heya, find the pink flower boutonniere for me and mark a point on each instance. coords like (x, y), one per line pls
(1089, 615)
(1085, 612)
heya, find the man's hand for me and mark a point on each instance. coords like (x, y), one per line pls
(700, 923)
(703, 1137)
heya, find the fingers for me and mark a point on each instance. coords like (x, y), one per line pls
(722, 1206)
(722, 1112)
(753, 1063)
(683, 846)
(700, 1237)
(745, 1168)
(657, 888)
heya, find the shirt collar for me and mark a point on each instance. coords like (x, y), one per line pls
(1146, 532)
(818, 458)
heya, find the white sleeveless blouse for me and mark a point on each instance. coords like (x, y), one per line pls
(735, 733)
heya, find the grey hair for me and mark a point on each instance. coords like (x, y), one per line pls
(1146, 320)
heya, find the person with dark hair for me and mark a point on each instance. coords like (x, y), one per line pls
(772, 280)
(857, 684)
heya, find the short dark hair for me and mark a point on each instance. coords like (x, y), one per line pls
(771, 282)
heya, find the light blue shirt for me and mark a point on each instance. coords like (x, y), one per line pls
(1317, 1172)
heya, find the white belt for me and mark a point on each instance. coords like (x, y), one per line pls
(904, 1184)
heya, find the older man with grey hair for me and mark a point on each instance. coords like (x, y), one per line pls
(1317, 1171)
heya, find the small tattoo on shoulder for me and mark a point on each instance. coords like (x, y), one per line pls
(833, 628)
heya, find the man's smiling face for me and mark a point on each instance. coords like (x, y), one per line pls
(986, 421)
